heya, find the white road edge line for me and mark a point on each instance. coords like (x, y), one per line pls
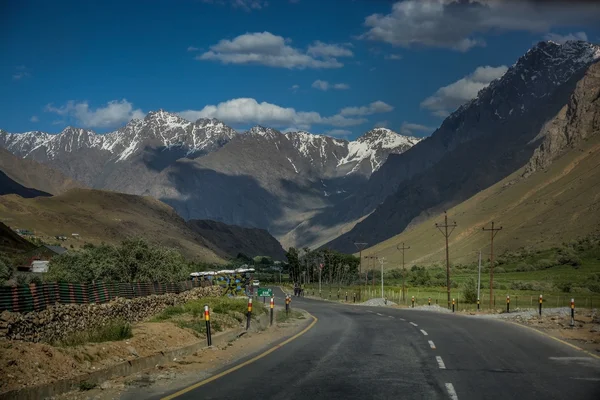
(451, 391)
(413, 324)
(440, 362)
(431, 344)
(423, 332)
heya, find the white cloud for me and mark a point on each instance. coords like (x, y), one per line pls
(21, 72)
(192, 48)
(381, 124)
(246, 5)
(295, 88)
(408, 128)
(244, 111)
(115, 113)
(373, 108)
(34, 118)
(393, 57)
(555, 37)
(449, 98)
(264, 48)
(338, 132)
(459, 25)
(324, 85)
(320, 49)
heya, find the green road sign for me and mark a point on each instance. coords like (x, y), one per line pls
(265, 292)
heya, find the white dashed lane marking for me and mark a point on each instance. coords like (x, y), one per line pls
(423, 332)
(381, 315)
(431, 344)
(440, 362)
(451, 391)
(390, 316)
(402, 319)
(413, 324)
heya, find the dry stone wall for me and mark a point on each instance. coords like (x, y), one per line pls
(58, 321)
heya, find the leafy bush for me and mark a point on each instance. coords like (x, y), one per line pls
(133, 260)
(524, 267)
(469, 291)
(593, 282)
(565, 287)
(569, 259)
(499, 270)
(6, 271)
(544, 263)
(110, 332)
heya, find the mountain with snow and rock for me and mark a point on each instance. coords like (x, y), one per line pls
(479, 144)
(207, 170)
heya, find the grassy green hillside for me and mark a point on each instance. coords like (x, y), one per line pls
(544, 210)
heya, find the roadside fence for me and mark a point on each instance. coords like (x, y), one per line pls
(34, 297)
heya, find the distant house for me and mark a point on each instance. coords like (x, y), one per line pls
(42, 253)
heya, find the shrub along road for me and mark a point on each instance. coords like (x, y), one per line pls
(364, 352)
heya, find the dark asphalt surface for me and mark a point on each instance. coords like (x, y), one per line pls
(354, 353)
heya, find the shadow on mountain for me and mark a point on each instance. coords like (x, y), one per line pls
(159, 158)
(9, 186)
(207, 194)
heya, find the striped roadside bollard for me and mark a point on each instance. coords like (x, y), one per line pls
(354, 297)
(287, 304)
(207, 319)
(507, 303)
(453, 305)
(249, 314)
(429, 301)
(346, 296)
(540, 305)
(572, 312)
(272, 306)
(477, 304)
(413, 302)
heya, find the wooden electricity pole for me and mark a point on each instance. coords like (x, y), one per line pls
(493, 232)
(447, 235)
(360, 247)
(402, 249)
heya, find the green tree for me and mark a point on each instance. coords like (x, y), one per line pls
(469, 290)
(293, 262)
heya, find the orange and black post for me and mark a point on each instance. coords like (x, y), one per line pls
(477, 304)
(249, 315)
(572, 312)
(429, 301)
(207, 319)
(507, 303)
(287, 304)
(272, 306)
(452, 305)
(540, 305)
(413, 302)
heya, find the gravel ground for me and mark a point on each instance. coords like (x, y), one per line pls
(529, 314)
(434, 308)
(380, 302)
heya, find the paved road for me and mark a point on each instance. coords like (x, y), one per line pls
(357, 352)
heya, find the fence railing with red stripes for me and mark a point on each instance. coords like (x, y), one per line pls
(38, 297)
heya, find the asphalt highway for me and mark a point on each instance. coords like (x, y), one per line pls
(358, 352)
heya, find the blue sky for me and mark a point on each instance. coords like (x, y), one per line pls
(356, 64)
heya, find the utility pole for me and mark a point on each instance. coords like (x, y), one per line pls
(493, 232)
(360, 247)
(479, 277)
(373, 267)
(382, 261)
(447, 235)
(402, 249)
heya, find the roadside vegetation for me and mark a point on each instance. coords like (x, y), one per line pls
(282, 316)
(110, 332)
(225, 312)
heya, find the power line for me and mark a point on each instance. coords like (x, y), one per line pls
(493, 232)
(447, 235)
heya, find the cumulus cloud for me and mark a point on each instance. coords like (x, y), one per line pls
(338, 132)
(264, 48)
(115, 113)
(34, 118)
(449, 98)
(244, 111)
(324, 85)
(459, 25)
(393, 57)
(409, 128)
(320, 49)
(555, 37)
(373, 108)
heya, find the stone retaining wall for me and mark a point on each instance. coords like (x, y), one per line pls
(56, 322)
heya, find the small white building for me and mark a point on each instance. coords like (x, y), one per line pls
(39, 266)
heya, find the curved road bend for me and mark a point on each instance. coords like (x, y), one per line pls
(357, 352)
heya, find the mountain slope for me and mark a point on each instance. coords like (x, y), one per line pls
(99, 216)
(235, 239)
(555, 197)
(32, 174)
(481, 143)
(10, 242)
